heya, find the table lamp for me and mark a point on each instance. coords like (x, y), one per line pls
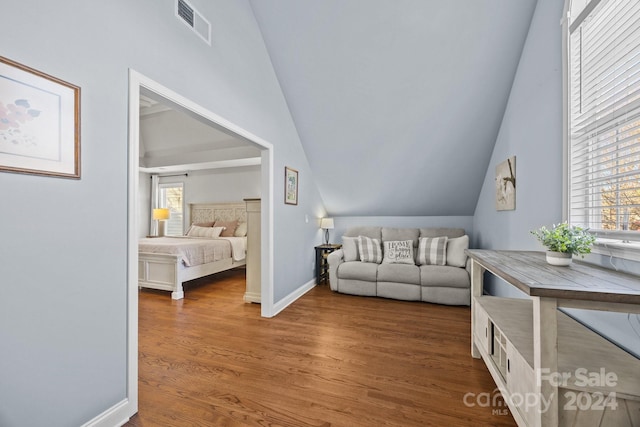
(326, 224)
(160, 215)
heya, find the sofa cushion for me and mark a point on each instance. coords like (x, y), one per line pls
(444, 276)
(358, 287)
(373, 232)
(398, 252)
(401, 291)
(456, 256)
(350, 248)
(390, 234)
(399, 273)
(432, 251)
(437, 232)
(358, 270)
(446, 295)
(369, 249)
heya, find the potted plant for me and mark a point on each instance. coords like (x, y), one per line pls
(562, 241)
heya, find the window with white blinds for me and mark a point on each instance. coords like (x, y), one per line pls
(604, 119)
(171, 196)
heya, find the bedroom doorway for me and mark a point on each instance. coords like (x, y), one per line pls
(138, 85)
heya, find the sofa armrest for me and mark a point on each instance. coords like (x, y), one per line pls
(334, 259)
(468, 266)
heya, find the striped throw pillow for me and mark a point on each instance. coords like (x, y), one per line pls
(210, 232)
(432, 251)
(370, 250)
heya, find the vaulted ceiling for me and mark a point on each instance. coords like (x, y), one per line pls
(397, 103)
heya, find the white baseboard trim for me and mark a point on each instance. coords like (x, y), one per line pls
(289, 299)
(252, 297)
(116, 416)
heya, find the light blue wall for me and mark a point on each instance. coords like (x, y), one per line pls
(532, 131)
(63, 284)
(342, 223)
(202, 186)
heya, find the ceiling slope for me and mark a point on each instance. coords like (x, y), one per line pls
(398, 103)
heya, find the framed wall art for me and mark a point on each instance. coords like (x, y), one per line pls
(506, 185)
(290, 186)
(39, 122)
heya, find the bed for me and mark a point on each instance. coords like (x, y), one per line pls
(165, 263)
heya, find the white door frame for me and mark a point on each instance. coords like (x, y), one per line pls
(136, 82)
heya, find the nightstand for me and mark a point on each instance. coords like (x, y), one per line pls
(322, 266)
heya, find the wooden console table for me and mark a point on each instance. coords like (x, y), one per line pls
(551, 370)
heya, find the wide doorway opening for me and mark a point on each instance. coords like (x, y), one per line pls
(230, 153)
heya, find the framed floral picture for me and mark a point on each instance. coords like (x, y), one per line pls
(290, 186)
(39, 122)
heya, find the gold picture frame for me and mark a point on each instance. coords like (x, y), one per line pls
(39, 122)
(290, 186)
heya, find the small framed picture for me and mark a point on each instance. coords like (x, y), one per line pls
(39, 122)
(506, 185)
(290, 186)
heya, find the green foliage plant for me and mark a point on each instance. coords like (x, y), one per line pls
(565, 238)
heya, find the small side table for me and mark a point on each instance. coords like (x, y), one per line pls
(322, 266)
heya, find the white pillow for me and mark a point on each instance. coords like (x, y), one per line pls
(432, 251)
(455, 251)
(210, 232)
(241, 230)
(398, 252)
(370, 250)
(350, 248)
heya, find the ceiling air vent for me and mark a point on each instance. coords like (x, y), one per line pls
(194, 20)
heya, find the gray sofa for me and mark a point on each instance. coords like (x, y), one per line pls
(442, 284)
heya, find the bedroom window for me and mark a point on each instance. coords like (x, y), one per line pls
(603, 54)
(172, 196)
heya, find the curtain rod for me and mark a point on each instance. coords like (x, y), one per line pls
(177, 174)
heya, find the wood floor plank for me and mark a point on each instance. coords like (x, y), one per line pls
(327, 360)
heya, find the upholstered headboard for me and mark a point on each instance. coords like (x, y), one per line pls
(208, 212)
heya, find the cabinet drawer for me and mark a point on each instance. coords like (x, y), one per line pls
(481, 328)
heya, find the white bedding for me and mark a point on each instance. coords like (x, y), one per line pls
(196, 250)
(238, 247)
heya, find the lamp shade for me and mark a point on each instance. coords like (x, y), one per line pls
(161, 214)
(326, 223)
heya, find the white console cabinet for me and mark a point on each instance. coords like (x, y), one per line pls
(551, 370)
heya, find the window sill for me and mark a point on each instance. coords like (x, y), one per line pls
(617, 249)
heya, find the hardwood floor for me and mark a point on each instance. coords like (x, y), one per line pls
(327, 360)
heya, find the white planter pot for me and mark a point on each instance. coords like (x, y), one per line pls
(562, 259)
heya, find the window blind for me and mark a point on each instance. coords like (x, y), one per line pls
(604, 115)
(171, 196)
